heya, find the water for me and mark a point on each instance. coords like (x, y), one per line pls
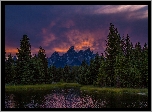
(73, 98)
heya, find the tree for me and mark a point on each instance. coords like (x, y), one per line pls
(120, 77)
(35, 70)
(137, 64)
(84, 74)
(144, 68)
(122, 64)
(74, 73)
(23, 63)
(102, 77)
(95, 68)
(66, 73)
(10, 71)
(112, 50)
(43, 64)
(52, 74)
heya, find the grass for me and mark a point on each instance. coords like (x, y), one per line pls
(40, 87)
(99, 90)
(85, 88)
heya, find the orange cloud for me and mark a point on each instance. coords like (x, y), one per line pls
(11, 50)
(61, 50)
(48, 37)
(62, 47)
(80, 40)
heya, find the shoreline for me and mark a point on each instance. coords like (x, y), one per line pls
(90, 89)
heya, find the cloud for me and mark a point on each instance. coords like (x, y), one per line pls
(47, 37)
(110, 9)
(79, 39)
(57, 27)
(60, 49)
(138, 15)
(11, 50)
(67, 24)
(128, 11)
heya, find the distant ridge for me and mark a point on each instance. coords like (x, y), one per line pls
(71, 57)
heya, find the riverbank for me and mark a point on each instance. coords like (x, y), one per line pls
(85, 88)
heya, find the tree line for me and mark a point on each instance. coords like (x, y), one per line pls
(121, 65)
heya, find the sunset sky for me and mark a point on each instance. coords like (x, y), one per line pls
(57, 27)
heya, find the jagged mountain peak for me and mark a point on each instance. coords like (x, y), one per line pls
(71, 57)
(71, 49)
(55, 53)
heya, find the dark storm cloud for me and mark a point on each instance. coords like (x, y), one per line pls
(56, 27)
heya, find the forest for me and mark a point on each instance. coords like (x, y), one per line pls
(121, 65)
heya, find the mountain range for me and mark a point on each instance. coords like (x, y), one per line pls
(71, 57)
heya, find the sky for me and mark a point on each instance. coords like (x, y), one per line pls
(57, 27)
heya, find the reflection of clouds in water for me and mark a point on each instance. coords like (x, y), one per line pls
(71, 100)
(9, 101)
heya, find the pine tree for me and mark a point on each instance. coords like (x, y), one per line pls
(43, 70)
(35, 70)
(59, 74)
(102, 77)
(138, 64)
(120, 77)
(10, 70)
(23, 63)
(112, 50)
(66, 73)
(92, 69)
(52, 74)
(123, 64)
(95, 68)
(74, 73)
(84, 73)
(144, 68)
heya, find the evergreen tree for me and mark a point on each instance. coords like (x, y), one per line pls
(95, 68)
(102, 77)
(92, 69)
(43, 70)
(52, 74)
(60, 74)
(10, 70)
(23, 63)
(66, 73)
(120, 77)
(74, 73)
(35, 70)
(121, 63)
(112, 50)
(84, 73)
(138, 64)
(144, 68)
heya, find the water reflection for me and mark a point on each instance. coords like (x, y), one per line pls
(9, 101)
(73, 98)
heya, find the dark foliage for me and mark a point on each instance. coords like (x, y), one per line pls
(123, 65)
